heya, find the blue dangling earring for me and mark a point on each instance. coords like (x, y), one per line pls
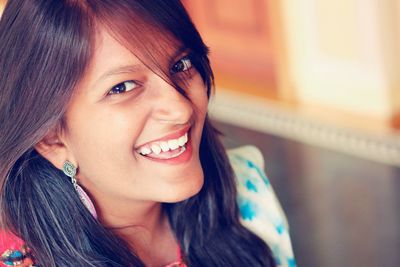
(70, 170)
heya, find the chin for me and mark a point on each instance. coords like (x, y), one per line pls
(181, 194)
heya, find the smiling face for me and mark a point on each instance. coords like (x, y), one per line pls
(132, 134)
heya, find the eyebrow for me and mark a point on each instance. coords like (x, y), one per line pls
(120, 70)
(181, 50)
(136, 67)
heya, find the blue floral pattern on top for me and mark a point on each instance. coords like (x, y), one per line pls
(260, 209)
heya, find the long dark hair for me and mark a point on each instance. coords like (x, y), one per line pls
(45, 48)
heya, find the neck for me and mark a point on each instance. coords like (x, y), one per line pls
(137, 222)
(144, 226)
(142, 215)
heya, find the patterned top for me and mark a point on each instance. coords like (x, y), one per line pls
(259, 208)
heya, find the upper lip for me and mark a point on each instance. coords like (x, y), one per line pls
(174, 135)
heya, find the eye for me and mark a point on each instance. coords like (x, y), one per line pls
(123, 87)
(184, 64)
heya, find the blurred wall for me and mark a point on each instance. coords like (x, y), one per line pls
(2, 4)
(344, 54)
(339, 55)
(240, 36)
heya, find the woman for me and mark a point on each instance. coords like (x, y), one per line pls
(107, 157)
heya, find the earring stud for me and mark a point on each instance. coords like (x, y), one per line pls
(69, 170)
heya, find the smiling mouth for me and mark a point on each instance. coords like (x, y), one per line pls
(166, 149)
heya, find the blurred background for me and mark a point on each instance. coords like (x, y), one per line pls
(315, 85)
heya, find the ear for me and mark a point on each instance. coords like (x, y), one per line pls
(55, 149)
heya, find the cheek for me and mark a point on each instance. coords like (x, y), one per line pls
(102, 140)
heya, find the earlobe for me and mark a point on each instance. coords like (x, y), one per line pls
(52, 148)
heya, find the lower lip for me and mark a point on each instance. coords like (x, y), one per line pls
(182, 158)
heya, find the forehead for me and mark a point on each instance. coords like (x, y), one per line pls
(154, 49)
(109, 53)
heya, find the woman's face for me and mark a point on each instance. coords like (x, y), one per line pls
(121, 111)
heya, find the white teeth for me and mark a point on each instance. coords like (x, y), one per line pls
(181, 141)
(173, 144)
(145, 151)
(164, 146)
(156, 149)
(186, 137)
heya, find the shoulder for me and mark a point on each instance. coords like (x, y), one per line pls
(248, 165)
(13, 251)
(247, 152)
(259, 207)
(254, 188)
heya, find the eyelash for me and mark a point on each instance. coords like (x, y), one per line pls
(123, 86)
(182, 65)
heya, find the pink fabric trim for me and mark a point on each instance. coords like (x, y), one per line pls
(9, 241)
(179, 262)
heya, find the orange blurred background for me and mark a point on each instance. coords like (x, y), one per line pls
(336, 61)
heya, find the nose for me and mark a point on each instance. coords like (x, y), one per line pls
(169, 105)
